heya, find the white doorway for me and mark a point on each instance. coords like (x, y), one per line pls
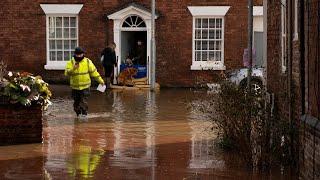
(127, 23)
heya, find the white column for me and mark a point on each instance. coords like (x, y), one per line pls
(148, 24)
(117, 40)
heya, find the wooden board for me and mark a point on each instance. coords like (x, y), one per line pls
(136, 87)
(140, 80)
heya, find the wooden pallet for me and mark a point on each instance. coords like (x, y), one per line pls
(136, 87)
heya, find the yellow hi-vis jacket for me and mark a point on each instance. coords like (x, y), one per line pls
(80, 78)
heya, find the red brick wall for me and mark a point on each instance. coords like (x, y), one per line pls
(277, 83)
(312, 56)
(276, 80)
(20, 125)
(23, 36)
(310, 133)
(310, 158)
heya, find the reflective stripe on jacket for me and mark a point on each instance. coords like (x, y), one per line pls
(80, 78)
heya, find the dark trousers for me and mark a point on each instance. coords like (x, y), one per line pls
(80, 104)
(108, 70)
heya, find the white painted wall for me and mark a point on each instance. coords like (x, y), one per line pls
(258, 24)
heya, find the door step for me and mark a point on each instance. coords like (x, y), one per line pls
(135, 87)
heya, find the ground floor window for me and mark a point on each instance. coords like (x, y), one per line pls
(63, 37)
(208, 37)
(62, 33)
(283, 36)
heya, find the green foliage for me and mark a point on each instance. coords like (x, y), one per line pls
(24, 88)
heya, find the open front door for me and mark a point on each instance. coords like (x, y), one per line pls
(133, 18)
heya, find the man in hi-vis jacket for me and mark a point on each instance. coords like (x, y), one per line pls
(80, 70)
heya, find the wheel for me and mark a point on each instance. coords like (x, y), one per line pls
(256, 85)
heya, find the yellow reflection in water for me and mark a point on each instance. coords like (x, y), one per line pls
(85, 162)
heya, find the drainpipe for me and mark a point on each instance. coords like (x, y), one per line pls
(250, 32)
(289, 75)
(153, 46)
(107, 32)
(302, 56)
(302, 77)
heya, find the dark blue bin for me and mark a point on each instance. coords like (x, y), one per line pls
(142, 70)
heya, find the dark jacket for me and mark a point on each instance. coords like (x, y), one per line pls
(109, 57)
(139, 54)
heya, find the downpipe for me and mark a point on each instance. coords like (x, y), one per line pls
(289, 76)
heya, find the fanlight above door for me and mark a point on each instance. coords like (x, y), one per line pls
(134, 22)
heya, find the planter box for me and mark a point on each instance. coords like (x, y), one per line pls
(20, 125)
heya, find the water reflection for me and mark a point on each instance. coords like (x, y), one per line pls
(58, 147)
(134, 146)
(129, 135)
(84, 162)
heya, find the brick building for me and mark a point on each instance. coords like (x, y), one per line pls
(195, 39)
(293, 61)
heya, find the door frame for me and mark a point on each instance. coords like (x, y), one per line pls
(118, 19)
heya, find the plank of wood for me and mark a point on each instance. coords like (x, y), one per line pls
(136, 87)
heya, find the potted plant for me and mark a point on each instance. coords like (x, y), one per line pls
(23, 97)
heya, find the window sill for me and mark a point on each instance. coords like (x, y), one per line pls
(214, 68)
(54, 67)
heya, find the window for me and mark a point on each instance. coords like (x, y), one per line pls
(63, 37)
(208, 37)
(296, 36)
(134, 22)
(62, 33)
(283, 36)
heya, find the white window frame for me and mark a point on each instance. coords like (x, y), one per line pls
(296, 8)
(208, 12)
(283, 36)
(59, 10)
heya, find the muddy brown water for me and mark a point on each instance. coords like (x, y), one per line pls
(128, 135)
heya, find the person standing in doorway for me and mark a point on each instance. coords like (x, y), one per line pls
(138, 54)
(80, 70)
(109, 61)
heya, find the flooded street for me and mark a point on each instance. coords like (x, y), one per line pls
(128, 135)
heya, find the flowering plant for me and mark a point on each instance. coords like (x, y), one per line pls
(24, 88)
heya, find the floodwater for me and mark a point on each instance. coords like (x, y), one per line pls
(128, 135)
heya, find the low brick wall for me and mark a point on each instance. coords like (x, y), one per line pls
(20, 125)
(310, 151)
